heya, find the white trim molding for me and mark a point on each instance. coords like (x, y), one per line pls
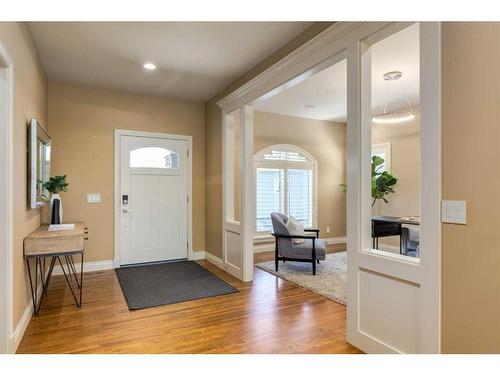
(336, 240)
(100, 265)
(18, 333)
(198, 255)
(116, 202)
(6, 219)
(214, 260)
(310, 58)
(386, 149)
(430, 189)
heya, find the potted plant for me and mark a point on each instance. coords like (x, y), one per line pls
(55, 185)
(382, 181)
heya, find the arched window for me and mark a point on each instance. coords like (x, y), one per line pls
(285, 178)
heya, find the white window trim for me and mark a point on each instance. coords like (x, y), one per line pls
(259, 162)
(386, 148)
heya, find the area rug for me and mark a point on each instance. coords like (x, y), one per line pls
(329, 281)
(166, 283)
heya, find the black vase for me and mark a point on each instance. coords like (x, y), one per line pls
(55, 219)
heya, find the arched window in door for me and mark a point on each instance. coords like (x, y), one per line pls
(285, 178)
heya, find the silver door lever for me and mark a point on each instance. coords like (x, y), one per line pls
(125, 211)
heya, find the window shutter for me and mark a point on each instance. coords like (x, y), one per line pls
(300, 202)
(268, 197)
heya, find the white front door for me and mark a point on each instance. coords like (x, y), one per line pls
(153, 199)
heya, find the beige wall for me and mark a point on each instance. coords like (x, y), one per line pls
(30, 101)
(471, 172)
(326, 142)
(213, 163)
(82, 122)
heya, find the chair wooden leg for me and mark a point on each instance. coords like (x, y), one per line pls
(314, 267)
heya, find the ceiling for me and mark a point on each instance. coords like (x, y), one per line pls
(195, 60)
(323, 96)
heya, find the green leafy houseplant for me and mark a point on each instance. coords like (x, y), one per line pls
(382, 181)
(56, 184)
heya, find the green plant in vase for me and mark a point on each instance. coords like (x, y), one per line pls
(56, 185)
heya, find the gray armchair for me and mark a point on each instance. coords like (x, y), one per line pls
(312, 250)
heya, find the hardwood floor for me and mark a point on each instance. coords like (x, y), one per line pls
(269, 315)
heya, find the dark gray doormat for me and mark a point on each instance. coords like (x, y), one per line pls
(166, 283)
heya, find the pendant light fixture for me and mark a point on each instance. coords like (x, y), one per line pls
(391, 117)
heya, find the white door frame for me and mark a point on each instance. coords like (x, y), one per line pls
(244, 229)
(117, 198)
(339, 41)
(6, 195)
(424, 273)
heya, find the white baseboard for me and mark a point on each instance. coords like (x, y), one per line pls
(17, 335)
(214, 260)
(336, 240)
(266, 247)
(100, 265)
(263, 247)
(198, 255)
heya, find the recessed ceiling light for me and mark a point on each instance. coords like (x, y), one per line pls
(149, 66)
(309, 106)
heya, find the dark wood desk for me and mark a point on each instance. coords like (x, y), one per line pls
(387, 226)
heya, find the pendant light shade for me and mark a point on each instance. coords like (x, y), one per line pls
(392, 117)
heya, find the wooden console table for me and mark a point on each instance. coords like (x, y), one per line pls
(42, 244)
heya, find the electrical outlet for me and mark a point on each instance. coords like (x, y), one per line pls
(327, 229)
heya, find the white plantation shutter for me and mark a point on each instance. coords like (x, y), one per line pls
(300, 202)
(284, 179)
(269, 194)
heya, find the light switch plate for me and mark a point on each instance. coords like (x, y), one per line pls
(453, 212)
(94, 198)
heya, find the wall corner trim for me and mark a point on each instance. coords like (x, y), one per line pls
(214, 260)
(198, 255)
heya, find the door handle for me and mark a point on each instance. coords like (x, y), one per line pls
(125, 211)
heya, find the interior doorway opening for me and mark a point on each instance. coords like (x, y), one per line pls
(379, 284)
(300, 137)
